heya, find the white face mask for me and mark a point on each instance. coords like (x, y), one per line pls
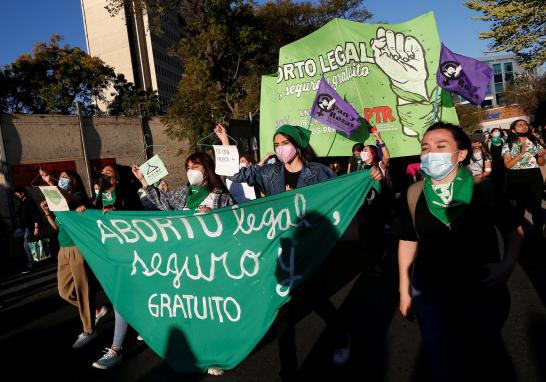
(242, 165)
(195, 177)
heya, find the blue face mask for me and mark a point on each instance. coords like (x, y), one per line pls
(437, 165)
(64, 183)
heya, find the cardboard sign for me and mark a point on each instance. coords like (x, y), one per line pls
(153, 169)
(55, 200)
(227, 160)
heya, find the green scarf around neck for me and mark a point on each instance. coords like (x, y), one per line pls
(448, 201)
(196, 194)
(496, 141)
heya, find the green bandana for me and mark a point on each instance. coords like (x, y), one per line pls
(448, 201)
(196, 194)
(496, 141)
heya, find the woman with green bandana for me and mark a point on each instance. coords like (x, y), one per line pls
(497, 163)
(295, 170)
(451, 272)
(73, 274)
(205, 191)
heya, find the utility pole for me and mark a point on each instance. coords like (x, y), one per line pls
(84, 148)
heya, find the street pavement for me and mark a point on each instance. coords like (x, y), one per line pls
(37, 330)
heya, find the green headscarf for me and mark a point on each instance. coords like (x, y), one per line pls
(300, 135)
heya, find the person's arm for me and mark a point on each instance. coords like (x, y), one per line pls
(383, 147)
(407, 251)
(500, 272)
(486, 168)
(510, 161)
(541, 160)
(72, 200)
(221, 133)
(48, 215)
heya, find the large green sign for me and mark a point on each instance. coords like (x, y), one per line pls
(203, 289)
(386, 71)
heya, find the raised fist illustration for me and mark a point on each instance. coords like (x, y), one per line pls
(402, 59)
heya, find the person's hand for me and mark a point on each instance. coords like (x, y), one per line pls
(136, 172)
(402, 59)
(406, 305)
(36, 231)
(498, 274)
(107, 209)
(288, 188)
(376, 173)
(523, 149)
(377, 135)
(265, 158)
(541, 153)
(44, 207)
(221, 133)
(204, 209)
(46, 177)
(81, 209)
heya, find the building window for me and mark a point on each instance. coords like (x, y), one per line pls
(508, 67)
(499, 88)
(497, 68)
(498, 78)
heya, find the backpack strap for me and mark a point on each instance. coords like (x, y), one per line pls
(414, 191)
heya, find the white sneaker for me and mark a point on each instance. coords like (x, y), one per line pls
(110, 359)
(139, 338)
(100, 314)
(84, 339)
(215, 371)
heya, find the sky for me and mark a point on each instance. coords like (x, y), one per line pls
(25, 22)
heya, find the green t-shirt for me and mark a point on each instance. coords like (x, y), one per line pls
(64, 239)
(108, 198)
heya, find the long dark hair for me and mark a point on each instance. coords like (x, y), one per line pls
(463, 140)
(513, 137)
(214, 182)
(306, 154)
(76, 185)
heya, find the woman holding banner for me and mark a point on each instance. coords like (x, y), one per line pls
(73, 274)
(296, 170)
(458, 291)
(205, 191)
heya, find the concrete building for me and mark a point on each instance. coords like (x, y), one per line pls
(126, 43)
(501, 117)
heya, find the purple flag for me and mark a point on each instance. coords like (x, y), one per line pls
(332, 110)
(463, 75)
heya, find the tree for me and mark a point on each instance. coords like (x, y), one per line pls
(470, 117)
(50, 80)
(529, 92)
(516, 26)
(130, 101)
(226, 46)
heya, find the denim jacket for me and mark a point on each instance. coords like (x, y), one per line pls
(270, 177)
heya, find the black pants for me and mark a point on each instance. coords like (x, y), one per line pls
(314, 293)
(525, 187)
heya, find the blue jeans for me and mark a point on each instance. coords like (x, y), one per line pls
(26, 239)
(120, 330)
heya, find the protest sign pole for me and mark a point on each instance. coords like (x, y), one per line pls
(435, 106)
(84, 148)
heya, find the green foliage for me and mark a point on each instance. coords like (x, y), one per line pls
(130, 101)
(516, 26)
(470, 117)
(529, 92)
(50, 80)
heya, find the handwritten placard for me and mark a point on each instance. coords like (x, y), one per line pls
(154, 170)
(55, 200)
(227, 160)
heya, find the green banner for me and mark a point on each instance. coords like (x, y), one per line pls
(386, 71)
(203, 289)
